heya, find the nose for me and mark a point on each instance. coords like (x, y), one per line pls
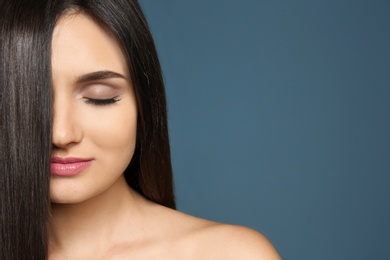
(66, 130)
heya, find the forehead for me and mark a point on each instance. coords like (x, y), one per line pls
(80, 46)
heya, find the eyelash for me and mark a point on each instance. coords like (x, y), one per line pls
(102, 102)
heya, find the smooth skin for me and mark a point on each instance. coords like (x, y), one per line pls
(95, 214)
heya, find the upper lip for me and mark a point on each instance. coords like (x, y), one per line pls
(65, 160)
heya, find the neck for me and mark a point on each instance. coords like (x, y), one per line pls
(98, 222)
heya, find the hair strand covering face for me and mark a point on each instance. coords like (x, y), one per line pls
(26, 114)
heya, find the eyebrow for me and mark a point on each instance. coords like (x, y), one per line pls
(99, 75)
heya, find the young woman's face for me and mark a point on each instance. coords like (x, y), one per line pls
(95, 113)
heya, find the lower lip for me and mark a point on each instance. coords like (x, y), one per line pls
(69, 169)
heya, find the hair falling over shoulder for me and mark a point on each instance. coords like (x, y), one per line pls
(26, 29)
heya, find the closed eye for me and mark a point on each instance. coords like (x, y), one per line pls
(101, 102)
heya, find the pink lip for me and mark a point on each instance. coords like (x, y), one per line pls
(69, 166)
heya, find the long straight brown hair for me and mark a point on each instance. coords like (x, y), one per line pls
(26, 28)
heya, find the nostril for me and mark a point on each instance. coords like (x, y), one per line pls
(64, 133)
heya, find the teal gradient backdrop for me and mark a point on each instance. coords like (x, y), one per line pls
(279, 117)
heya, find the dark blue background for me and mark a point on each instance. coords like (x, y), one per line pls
(279, 117)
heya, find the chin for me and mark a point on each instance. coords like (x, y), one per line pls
(68, 199)
(61, 194)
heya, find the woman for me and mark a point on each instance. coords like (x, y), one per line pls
(85, 160)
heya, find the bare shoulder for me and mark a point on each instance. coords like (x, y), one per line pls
(204, 239)
(191, 237)
(235, 242)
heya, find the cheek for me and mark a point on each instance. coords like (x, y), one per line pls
(113, 130)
